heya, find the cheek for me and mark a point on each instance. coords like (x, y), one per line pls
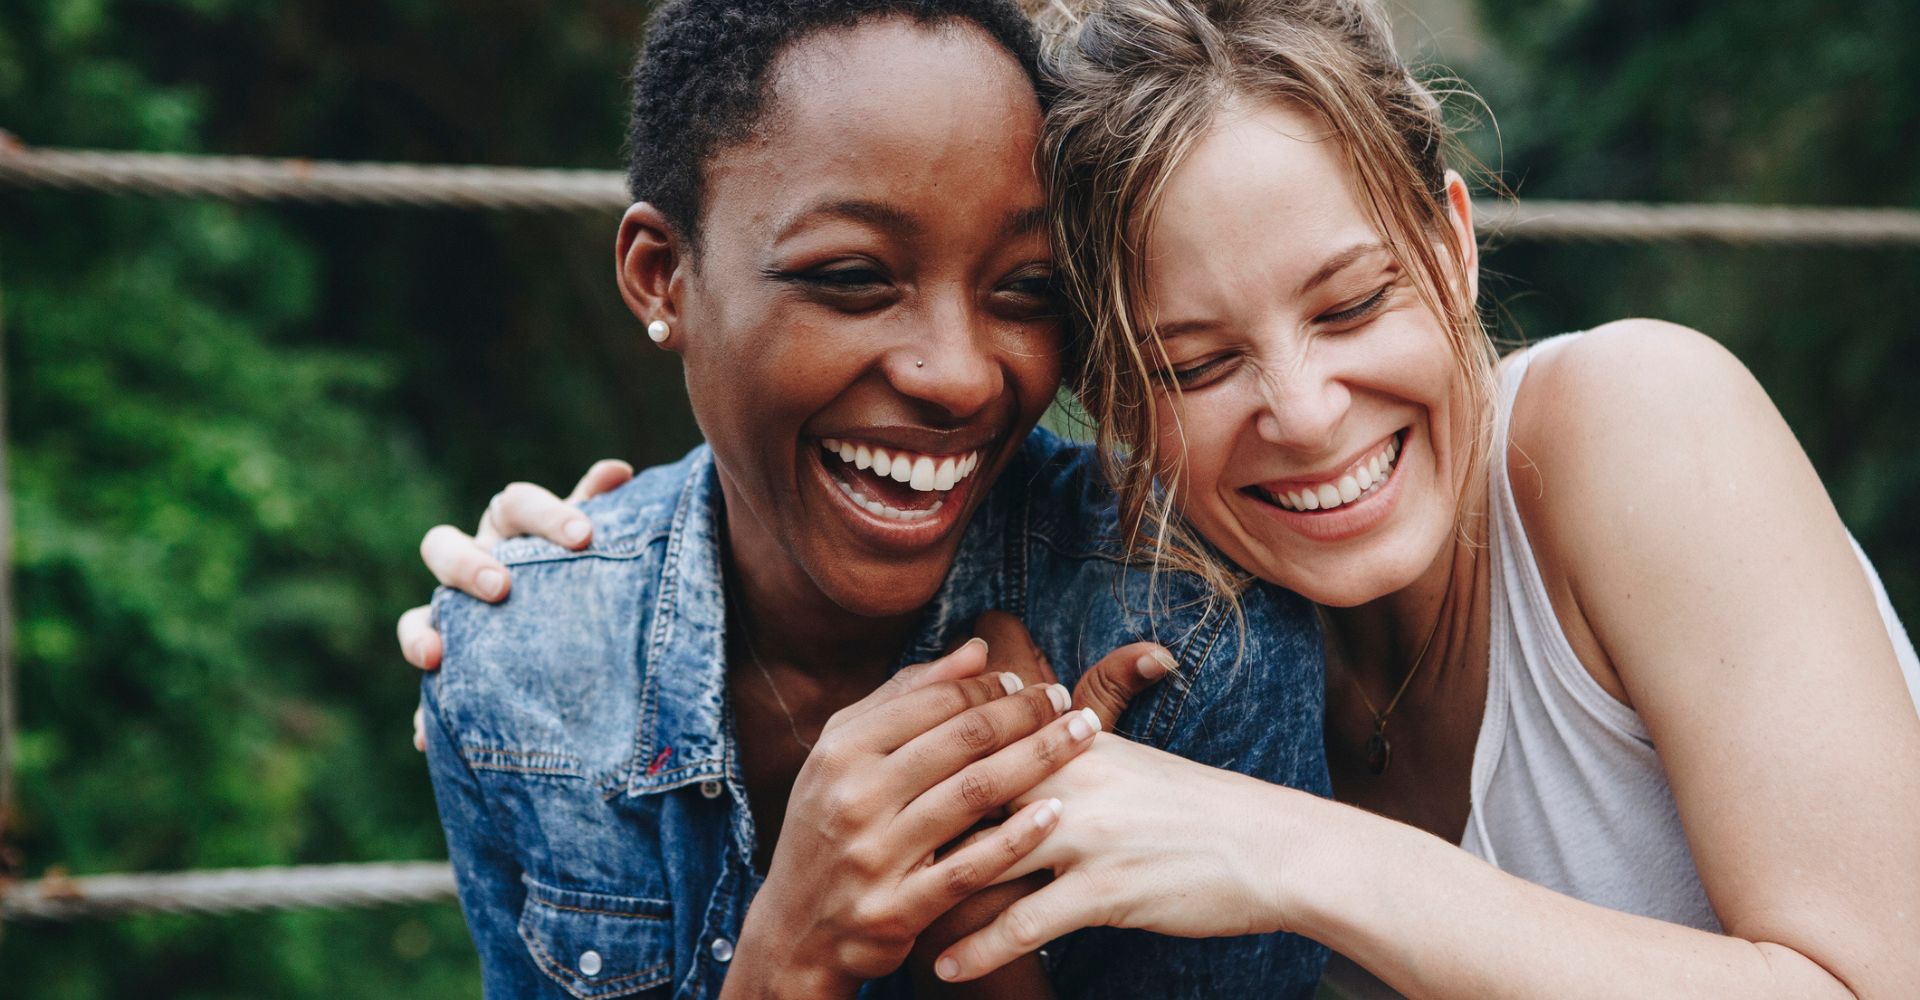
(1195, 444)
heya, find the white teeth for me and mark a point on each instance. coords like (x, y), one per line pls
(926, 473)
(879, 509)
(1366, 477)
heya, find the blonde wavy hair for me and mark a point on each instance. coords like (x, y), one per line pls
(1134, 85)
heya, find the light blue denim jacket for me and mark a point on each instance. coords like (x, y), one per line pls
(582, 752)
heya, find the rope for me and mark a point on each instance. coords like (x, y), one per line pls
(225, 890)
(1618, 222)
(247, 179)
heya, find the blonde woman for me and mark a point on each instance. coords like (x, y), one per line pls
(1614, 705)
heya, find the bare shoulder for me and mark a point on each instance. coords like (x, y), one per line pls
(1631, 408)
(1645, 450)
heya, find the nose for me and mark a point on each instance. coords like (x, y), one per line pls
(951, 363)
(1302, 405)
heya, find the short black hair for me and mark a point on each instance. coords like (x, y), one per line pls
(700, 82)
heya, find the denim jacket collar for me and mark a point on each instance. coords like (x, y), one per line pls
(683, 702)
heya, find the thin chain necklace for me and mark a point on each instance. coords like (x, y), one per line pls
(1379, 748)
(746, 639)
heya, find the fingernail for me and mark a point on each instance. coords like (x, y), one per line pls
(576, 530)
(490, 582)
(1049, 812)
(976, 640)
(1012, 683)
(1155, 665)
(1057, 694)
(946, 968)
(1083, 724)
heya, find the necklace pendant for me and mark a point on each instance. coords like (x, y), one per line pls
(1379, 753)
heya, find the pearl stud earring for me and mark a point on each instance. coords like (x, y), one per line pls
(657, 331)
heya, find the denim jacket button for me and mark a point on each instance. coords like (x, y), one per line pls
(722, 950)
(711, 789)
(589, 963)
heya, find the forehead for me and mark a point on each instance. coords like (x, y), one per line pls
(890, 110)
(1259, 201)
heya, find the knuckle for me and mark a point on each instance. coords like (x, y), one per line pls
(978, 791)
(961, 879)
(519, 494)
(879, 921)
(976, 732)
(1011, 848)
(1024, 930)
(1048, 749)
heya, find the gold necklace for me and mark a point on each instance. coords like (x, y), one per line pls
(746, 639)
(1379, 748)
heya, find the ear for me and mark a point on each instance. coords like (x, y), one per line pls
(1460, 214)
(650, 265)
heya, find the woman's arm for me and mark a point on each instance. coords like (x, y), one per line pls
(1706, 559)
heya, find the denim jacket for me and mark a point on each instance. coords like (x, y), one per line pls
(581, 745)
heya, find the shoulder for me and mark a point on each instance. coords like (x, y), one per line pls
(1609, 423)
(552, 673)
(640, 511)
(1066, 502)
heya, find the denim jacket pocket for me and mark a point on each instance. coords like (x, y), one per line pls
(597, 945)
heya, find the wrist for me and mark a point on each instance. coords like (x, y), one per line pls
(1293, 847)
(766, 965)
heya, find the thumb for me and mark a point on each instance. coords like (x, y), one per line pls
(1109, 686)
(1013, 647)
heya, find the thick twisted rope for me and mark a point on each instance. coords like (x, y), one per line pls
(227, 890)
(245, 179)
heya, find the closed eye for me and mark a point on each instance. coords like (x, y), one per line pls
(1197, 375)
(1359, 310)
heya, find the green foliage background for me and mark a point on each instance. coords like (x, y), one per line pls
(229, 425)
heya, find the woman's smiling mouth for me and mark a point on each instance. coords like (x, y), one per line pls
(1359, 479)
(904, 498)
(1342, 504)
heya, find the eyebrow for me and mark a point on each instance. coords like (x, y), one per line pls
(873, 213)
(1028, 220)
(1337, 263)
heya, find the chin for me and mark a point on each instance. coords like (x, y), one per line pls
(883, 591)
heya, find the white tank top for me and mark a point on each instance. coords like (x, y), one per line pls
(1567, 789)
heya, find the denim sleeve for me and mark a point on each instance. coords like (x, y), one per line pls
(488, 877)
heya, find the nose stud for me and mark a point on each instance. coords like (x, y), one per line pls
(919, 364)
(657, 331)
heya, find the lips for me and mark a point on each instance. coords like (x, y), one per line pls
(1360, 478)
(897, 497)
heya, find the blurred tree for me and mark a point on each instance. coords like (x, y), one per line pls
(1788, 102)
(221, 418)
